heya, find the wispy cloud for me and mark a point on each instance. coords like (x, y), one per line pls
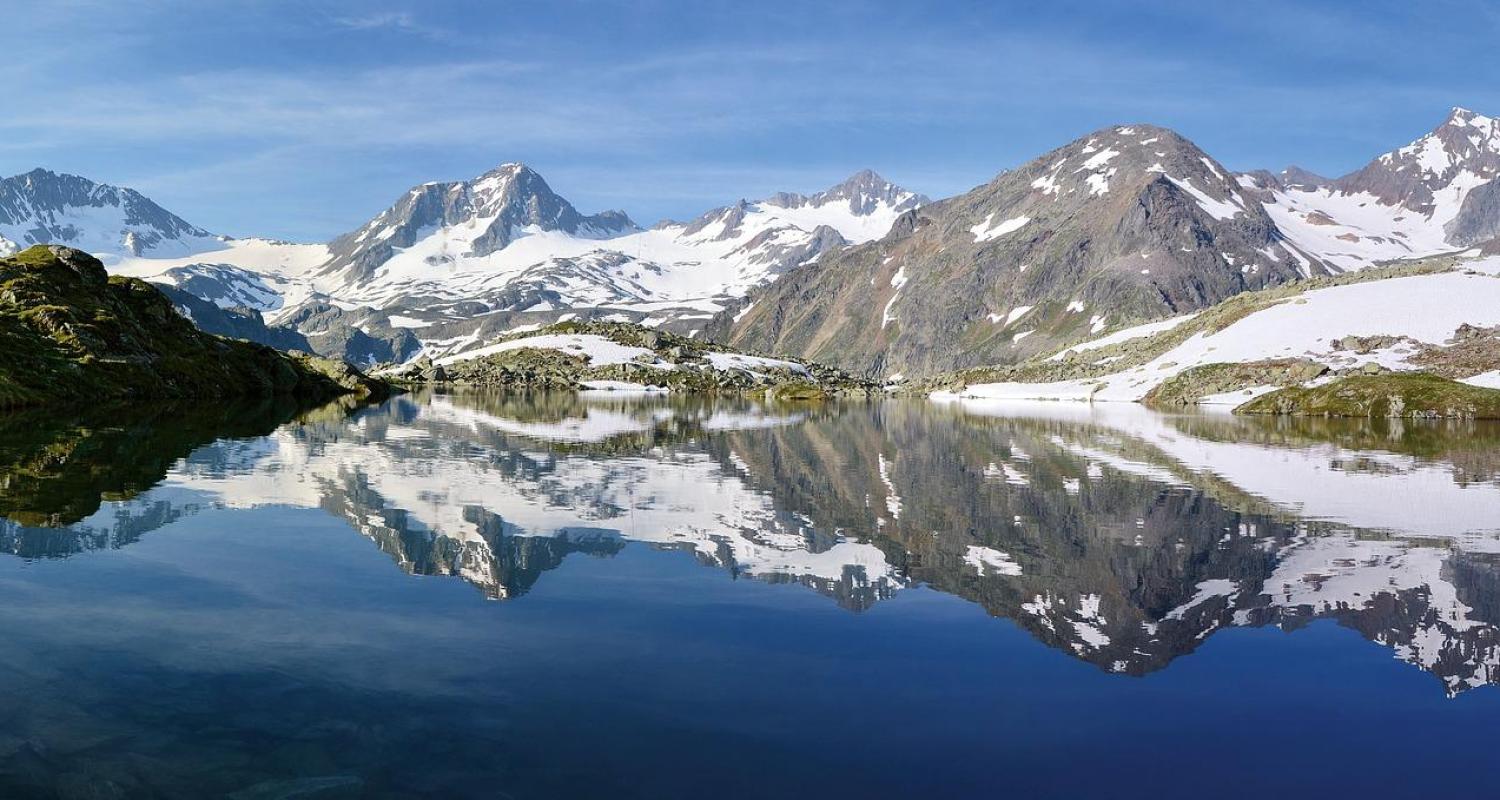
(398, 22)
(393, 20)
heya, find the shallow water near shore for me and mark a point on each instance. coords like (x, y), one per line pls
(491, 595)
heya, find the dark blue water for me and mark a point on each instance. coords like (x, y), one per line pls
(474, 597)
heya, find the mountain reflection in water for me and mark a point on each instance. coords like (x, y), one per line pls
(1120, 536)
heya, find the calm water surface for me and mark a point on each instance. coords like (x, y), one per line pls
(480, 595)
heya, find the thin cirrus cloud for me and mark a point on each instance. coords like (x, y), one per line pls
(396, 20)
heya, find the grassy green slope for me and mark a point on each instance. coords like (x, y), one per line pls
(1396, 394)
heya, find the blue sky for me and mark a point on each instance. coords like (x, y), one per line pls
(302, 119)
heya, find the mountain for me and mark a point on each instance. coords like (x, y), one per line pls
(1431, 175)
(1478, 219)
(122, 227)
(863, 195)
(453, 265)
(439, 228)
(224, 285)
(506, 241)
(72, 334)
(1130, 222)
(233, 300)
(358, 335)
(1436, 194)
(42, 207)
(1299, 178)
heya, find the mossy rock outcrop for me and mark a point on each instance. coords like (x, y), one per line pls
(1190, 386)
(1409, 395)
(72, 334)
(673, 362)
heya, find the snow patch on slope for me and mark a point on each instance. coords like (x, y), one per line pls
(984, 231)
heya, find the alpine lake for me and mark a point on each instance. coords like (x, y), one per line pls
(475, 594)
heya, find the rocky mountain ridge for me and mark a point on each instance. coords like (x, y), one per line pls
(1125, 225)
(1128, 222)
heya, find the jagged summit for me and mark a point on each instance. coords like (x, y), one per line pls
(860, 207)
(464, 219)
(1300, 178)
(865, 192)
(1463, 150)
(1464, 116)
(461, 261)
(47, 207)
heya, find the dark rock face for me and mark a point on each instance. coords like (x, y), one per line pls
(84, 267)
(359, 337)
(1478, 218)
(234, 323)
(1128, 223)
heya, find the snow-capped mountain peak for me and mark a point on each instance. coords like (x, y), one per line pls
(463, 259)
(1466, 142)
(435, 226)
(514, 184)
(1127, 220)
(1461, 117)
(45, 207)
(865, 193)
(1436, 194)
(860, 208)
